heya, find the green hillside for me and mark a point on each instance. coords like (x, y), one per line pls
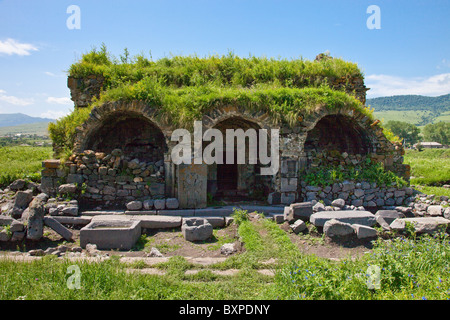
(40, 129)
(415, 109)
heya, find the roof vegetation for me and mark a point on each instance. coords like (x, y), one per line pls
(183, 88)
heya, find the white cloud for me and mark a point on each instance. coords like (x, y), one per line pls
(52, 114)
(382, 85)
(63, 100)
(11, 46)
(15, 100)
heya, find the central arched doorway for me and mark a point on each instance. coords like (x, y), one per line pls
(236, 181)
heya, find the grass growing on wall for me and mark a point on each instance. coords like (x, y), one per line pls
(220, 71)
(183, 88)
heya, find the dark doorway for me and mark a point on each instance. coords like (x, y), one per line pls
(227, 176)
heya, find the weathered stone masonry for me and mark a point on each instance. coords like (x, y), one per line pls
(122, 153)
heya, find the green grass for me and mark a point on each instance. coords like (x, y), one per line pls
(410, 116)
(430, 167)
(22, 163)
(414, 268)
(184, 88)
(409, 269)
(40, 129)
(225, 70)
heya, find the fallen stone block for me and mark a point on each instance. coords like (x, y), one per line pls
(278, 218)
(302, 210)
(333, 228)
(196, 229)
(388, 215)
(364, 232)
(58, 228)
(298, 226)
(422, 224)
(435, 210)
(352, 216)
(23, 199)
(4, 236)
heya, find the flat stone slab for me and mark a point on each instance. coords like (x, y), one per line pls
(365, 218)
(159, 222)
(58, 228)
(422, 224)
(214, 212)
(216, 222)
(142, 212)
(263, 209)
(102, 212)
(83, 220)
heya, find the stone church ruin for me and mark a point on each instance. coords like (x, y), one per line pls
(121, 152)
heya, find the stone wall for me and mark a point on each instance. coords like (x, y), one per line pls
(110, 180)
(365, 194)
(83, 90)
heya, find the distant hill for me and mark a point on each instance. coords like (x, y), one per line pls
(16, 119)
(416, 109)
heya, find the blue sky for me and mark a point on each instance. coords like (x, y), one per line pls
(410, 54)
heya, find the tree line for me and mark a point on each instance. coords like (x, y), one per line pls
(411, 134)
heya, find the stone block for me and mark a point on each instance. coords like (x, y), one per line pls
(23, 199)
(68, 188)
(348, 216)
(298, 226)
(364, 232)
(111, 234)
(435, 210)
(196, 229)
(335, 228)
(288, 197)
(302, 210)
(192, 185)
(274, 198)
(172, 203)
(159, 204)
(422, 224)
(58, 228)
(288, 184)
(340, 203)
(134, 205)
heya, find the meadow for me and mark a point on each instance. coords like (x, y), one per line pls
(407, 269)
(407, 266)
(20, 162)
(430, 167)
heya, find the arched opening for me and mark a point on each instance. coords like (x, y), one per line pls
(338, 133)
(135, 135)
(236, 181)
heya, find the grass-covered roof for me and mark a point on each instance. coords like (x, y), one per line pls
(184, 88)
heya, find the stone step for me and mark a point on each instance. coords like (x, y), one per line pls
(365, 218)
